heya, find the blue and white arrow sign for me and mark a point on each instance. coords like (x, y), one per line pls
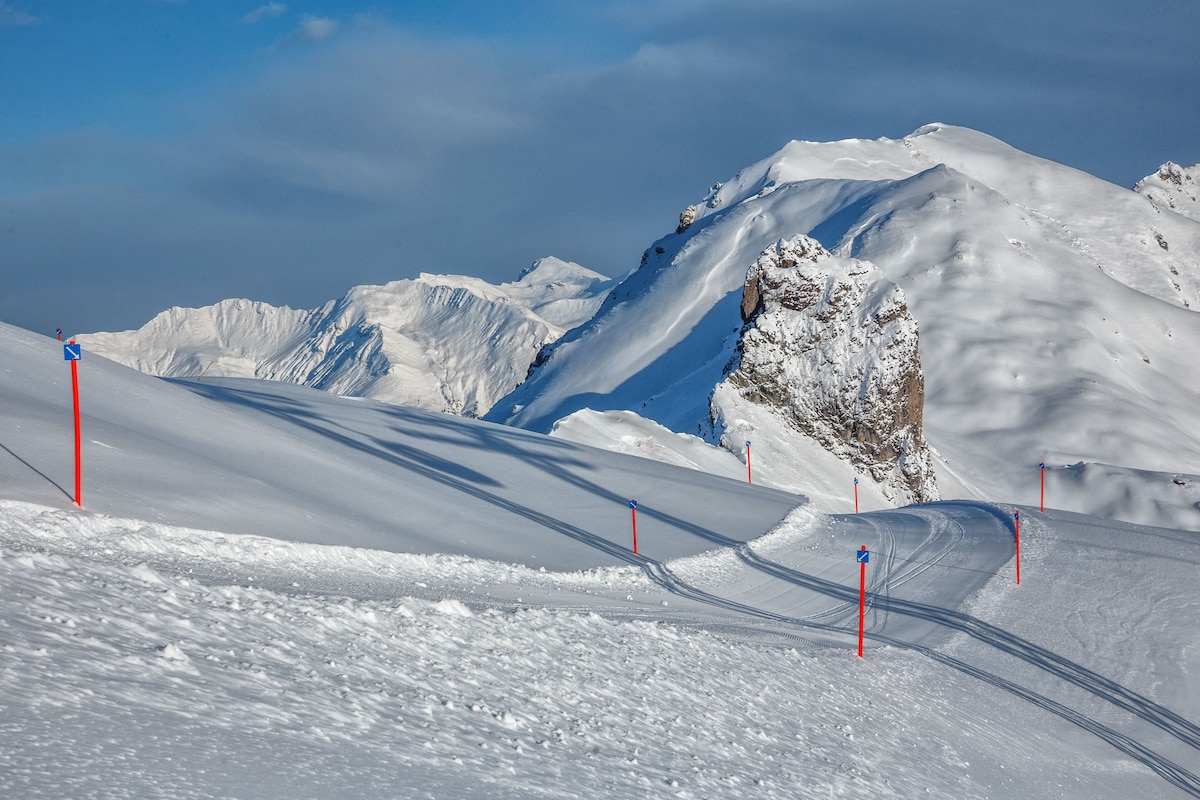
(863, 556)
(72, 352)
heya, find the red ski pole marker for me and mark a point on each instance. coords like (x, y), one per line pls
(633, 515)
(73, 352)
(863, 557)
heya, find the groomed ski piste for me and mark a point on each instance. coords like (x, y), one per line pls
(275, 592)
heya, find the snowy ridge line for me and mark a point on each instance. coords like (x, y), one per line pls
(1028, 352)
(443, 342)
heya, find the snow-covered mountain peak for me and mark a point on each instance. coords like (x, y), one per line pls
(444, 342)
(1173, 188)
(548, 270)
(562, 293)
(1050, 303)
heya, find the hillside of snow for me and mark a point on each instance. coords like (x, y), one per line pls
(271, 459)
(1056, 315)
(442, 342)
(272, 591)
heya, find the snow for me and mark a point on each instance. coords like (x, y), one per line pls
(299, 463)
(1047, 306)
(1173, 188)
(1049, 303)
(443, 342)
(273, 591)
(626, 432)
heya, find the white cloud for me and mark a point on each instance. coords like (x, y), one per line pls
(269, 11)
(314, 29)
(580, 153)
(14, 18)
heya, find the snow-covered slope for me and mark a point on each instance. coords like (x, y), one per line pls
(442, 342)
(1055, 313)
(273, 459)
(151, 648)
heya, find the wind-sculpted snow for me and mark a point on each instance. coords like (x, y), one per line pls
(1057, 315)
(442, 342)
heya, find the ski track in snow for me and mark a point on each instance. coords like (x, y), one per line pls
(143, 660)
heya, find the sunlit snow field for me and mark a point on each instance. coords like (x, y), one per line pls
(273, 592)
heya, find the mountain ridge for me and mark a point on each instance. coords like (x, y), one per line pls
(443, 342)
(1056, 314)
(1054, 326)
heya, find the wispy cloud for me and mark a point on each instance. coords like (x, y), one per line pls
(314, 29)
(11, 17)
(269, 11)
(388, 150)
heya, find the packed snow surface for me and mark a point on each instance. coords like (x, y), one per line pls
(272, 591)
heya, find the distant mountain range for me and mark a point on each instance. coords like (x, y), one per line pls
(442, 342)
(1054, 316)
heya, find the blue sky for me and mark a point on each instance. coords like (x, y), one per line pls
(177, 153)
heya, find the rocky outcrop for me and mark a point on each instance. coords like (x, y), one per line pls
(1174, 188)
(686, 218)
(830, 344)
